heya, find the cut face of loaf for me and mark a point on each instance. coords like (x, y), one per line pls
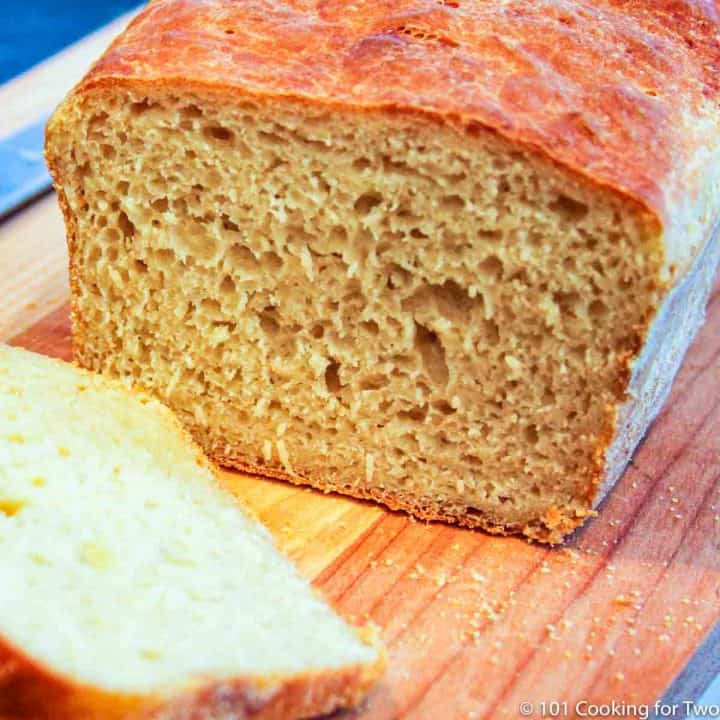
(131, 585)
(368, 302)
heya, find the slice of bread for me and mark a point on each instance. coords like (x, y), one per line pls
(447, 255)
(131, 585)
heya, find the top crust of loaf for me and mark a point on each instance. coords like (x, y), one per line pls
(623, 93)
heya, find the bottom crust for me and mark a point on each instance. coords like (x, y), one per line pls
(30, 691)
(552, 528)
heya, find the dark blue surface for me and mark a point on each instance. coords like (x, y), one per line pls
(32, 30)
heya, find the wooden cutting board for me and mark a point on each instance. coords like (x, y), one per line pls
(475, 625)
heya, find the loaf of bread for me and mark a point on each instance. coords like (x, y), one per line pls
(445, 255)
(131, 586)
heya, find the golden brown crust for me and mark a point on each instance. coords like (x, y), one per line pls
(29, 691)
(594, 85)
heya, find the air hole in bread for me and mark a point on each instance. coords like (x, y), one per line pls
(332, 377)
(567, 302)
(138, 108)
(367, 202)
(218, 132)
(491, 268)
(371, 327)
(362, 164)
(126, 226)
(569, 209)
(160, 205)
(433, 354)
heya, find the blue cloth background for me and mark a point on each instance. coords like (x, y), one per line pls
(32, 30)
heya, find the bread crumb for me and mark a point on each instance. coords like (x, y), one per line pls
(95, 555)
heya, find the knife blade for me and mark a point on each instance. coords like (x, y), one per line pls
(23, 174)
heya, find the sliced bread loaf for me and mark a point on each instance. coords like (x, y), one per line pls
(131, 585)
(447, 255)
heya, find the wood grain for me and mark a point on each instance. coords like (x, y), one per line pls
(33, 265)
(476, 624)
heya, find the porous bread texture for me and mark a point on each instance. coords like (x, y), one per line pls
(375, 302)
(131, 585)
